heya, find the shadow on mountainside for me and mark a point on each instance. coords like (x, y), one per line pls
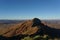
(43, 29)
(47, 30)
(18, 37)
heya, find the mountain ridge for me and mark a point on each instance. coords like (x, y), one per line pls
(31, 28)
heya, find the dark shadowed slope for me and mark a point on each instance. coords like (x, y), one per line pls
(29, 27)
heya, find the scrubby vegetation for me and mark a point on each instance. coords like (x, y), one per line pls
(38, 37)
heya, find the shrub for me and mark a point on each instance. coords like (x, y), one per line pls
(27, 38)
(37, 37)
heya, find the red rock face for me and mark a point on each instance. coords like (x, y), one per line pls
(24, 28)
(29, 27)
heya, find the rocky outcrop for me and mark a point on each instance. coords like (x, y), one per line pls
(30, 27)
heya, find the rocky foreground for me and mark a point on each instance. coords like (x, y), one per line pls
(28, 28)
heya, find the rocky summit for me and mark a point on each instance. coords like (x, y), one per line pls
(29, 27)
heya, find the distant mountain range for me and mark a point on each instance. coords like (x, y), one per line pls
(16, 21)
(10, 21)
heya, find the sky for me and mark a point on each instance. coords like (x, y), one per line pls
(28, 9)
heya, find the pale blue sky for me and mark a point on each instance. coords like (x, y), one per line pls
(27, 9)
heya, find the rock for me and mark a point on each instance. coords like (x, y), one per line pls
(28, 27)
(36, 22)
